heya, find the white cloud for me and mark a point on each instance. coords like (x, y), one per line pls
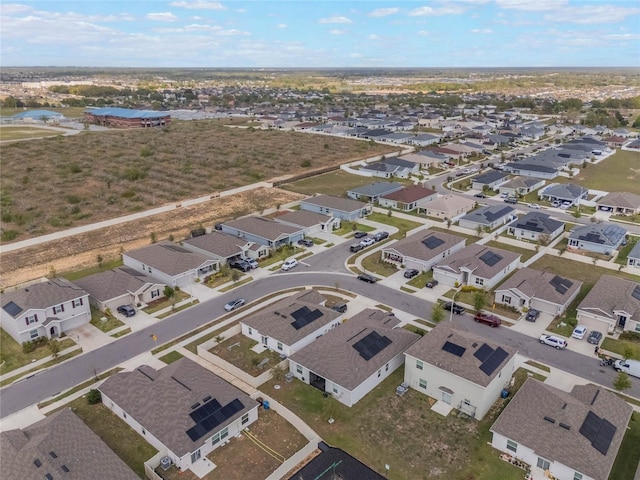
(423, 33)
(355, 55)
(161, 17)
(384, 12)
(373, 36)
(337, 19)
(622, 36)
(532, 5)
(282, 25)
(337, 31)
(590, 14)
(199, 5)
(484, 31)
(431, 11)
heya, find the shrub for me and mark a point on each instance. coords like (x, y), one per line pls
(305, 163)
(630, 336)
(8, 235)
(94, 396)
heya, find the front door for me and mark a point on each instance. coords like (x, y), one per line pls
(52, 332)
(446, 397)
(195, 456)
(622, 321)
(265, 340)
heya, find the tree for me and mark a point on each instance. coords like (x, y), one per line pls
(54, 347)
(235, 275)
(622, 382)
(437, 313)
(100, 260)
(479, 231)
(169, 292)
(479, 300)
(94, 396)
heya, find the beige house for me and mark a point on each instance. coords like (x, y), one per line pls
(448, 207)
(422, 250)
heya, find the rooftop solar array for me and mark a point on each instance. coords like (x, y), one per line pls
(483, 352)
(561, 284)
(176, 248)
(304, 316)
(636, 292)
(371, 345)
(205, 410)
(432, 242)
(493, 361)
(12, 308)
(491, 215)
(454, 348)
(598, 431)
(214, 419)
(490, 258)
(531, 225)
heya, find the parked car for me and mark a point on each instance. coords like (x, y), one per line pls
(553, 341)
(365, 277)
(532, 315)
(252, 263)
(218, 226)
(579, 332)
(512, 200)
(356, 248)
(631, 367)
(487, 319)
(457, 309)
(240, 265)
(367, 242)
(233, 304)
(412, 272)
(594, 337)
(534, 205)
(360, 234)
(305, 242)
(480, 195)
(380, 236)
(565, 206)
(555, 204)
(126, 310)
(289, 264)
(504, 195)
(340, 307)
(431, 283)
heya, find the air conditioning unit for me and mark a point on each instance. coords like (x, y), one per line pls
(165, 463)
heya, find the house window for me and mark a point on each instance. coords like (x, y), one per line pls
(506, 299)
(250, 331)
(637, 327)
(149, 269)
(511, 445)
(224, 433)
(543, 464)
(386, 367)
(299, 369)
(379, 372)
(419, 365)
(33, 334)
(479, 281)
(422, 383)
(77, 302)
(31, 319)
(335, 389)
(195, 456)
(155, 293)
(577, 476)
(279, 346)
(58, 309)
(245, 419)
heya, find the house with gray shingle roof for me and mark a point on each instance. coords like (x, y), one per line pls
(490, 179)
(633, 258)
(563, 192)
(597, 237)
(530, 169)
(120, 286)
(620, 202)
(544, 291)
(459, 369)
(571, 435)
(183, 410)
(447, 207)
(310, 222)
(613, 303)
(521, 186)
(490, 217)
(263, 231)
(372, 192)
(422, 249)
(170, 264)
(533, 225)
(392, 167)
(342, 208)
(408, 199)
(45, 309)
(223, 247)
(351, 360)
(59, 447)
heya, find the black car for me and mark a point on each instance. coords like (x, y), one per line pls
(511, 200)
(356, 248)
(532, 315)
(480, 195)
(339, 307)
(412, 272)
(240, 265)
(305, 242)
(365, 277)
(457, 309)
(431, 283)
(126, 310)
(360, 234)
(594, 337)
(380, 236)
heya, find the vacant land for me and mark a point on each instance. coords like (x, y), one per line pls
(22, 132)
(334, 183)
(54, 183)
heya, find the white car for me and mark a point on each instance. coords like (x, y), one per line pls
(367, 242)
(504, 195)
(565, 206)
(289, 264)
(553, 341)
(534, 205)
(579, 332)
(251, 261)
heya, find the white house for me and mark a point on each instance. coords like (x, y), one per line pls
(45, 309)
(422, 250)
(310, 222)
(597, 237)
(408, 199)
(342, 208)
(459, 369)
(222, 247)
(534, 226)
(489, 217)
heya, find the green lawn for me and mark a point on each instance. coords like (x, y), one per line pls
(335, 183)
(373, 263)
(109, 324)
(472, 238)
(164, 302)
(628, 458)
(347, 228)
(103, 267)
(585, 272)
(12, 356)
(171, 357)
(421, 280)
(401, 224)
(622, 347)
(624, 251)
(526, 254)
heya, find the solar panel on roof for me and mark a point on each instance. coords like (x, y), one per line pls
(301, 313)
(636, 292)
(560, 284)
(205, 410)
(214, 419)
(490, 258)
(494, 361)
(432, 242)
(592, 238)
(483, 352)
(304, 316)
(454, 348)
(604, 437)
(12, 308)
(369, 346)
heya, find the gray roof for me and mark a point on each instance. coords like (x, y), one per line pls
(334, 357)
(262, 227)
(399, 162)
(276, 320)
(161, 400)
(377, 188)
(527, 421)
(544, 285)
(430, 349)
(565, 190)
(490, 177)
(469, 258)
(601, 233)
(530, 167)
(41, 295)
(488, 215)
(303, 218)
(415, 246)
(611, 294)
(74, 444)
(635, 251)
(411, 194)
(381, 167)
(335, 203)
(521, 182)
(218, 243)
(167, 257)
(537, 222)
(620, 199)
(114, 283)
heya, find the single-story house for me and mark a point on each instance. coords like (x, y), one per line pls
(531, 170)
(477, 265)
(170, 264)
(490, 179)
(597, 237)
(533, 225)
(614, 141)
(59, 447)
(448, 207)
(372, 192)
(564, 192)
(310, 222)
(521, 186)
(263, 231)
(45, 309)
(423, 139)
(223, 247)
(422, 249)
(431, 157)
(342, 208)
(291, 323)
(385, 170)
(405, 167)
(120, 286)
(614, 302)
(183, 410)
(544, 291)
(570, 435)
(489, 217)
(351, 360)
(459, 369)
(633, 258)
(620, 202)
(408, 199)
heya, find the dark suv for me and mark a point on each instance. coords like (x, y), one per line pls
(240, 265)
(365, 277)
(360, 234)
(380, 236)
(457, 309)
(412, 272)
(487, 319)
(356, 248)
(126, 310)
(532, 315)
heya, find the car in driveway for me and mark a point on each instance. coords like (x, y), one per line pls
(457, 309)
(555, 204)
(233, 304)
(431, 283)
(126, 310)
(532, 315)
(487, 319)
(289, 264)
(360, 234)
(380, 236)
(594, 337)
(565, 206)
(412, 272)
(553, 341)
(579, 332)
(365, 277)
(252, 263)
(339, 307)
(367, 242)
(240, 265)
(356, 248)
(305, 242)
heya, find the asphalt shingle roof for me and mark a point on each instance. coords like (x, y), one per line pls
(413, 246)
(114, 283)
(42, 295)
(338, 462)
(600, 233)
(469, 258)
(377, 188)
(167, 257)
(335, 203)
(543, 285)
(488, 215)
(218, 243)
(410, 194)
(565, 190)
(537, 222)
(613, 293)
(262, 227)
(303, 218)
(621, 199)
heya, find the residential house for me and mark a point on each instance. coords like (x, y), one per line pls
(170, 264)
(543, 291)
(223, 247)
(490, 179)
(476, 265)
(422, 249)
(351, 360)
(408, 199)
(263, 231)
(310, 222)
(568, 435)
(342, 465)
(448, 207)
(392, 167)
(423, 139)
(597, 237)
(614, 141)
(183, 410)
(488, 218)
(527, 169)
(521, 186)
(45, 309)
(291, 323)
(59, 447)
(342, 208)
(120, 286)
(460, 369)
(624, 203)
(564, 192)
(536, 227)
(613, 303)
(633, 258)
(372, 192)
(429, 158)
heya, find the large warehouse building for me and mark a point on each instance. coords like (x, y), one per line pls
(127, 118)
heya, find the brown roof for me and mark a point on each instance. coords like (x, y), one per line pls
(262, 227)
(620, 199)
(114, 283)
(450, 203)
(303, 218)
(335, 203)
(410, 194)
(469, 258)
(42, 295)
(219, 244)
(543, 285)
(613, 293)
(429, 349)
(73, 444)
(414, 246)
(167, 257)
(524, 420)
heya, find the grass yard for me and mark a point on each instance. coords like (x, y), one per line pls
(12, 356)
(99, 267)
(373, 263)
(419, 281)
(401, 224)
(489, 306)
(237, 351)
(347, 228)
(628, 458)
(171, 357)
(624, 251)
(618, 173)
(157, 305)
(335, 183)
(23, 132)
(109, 324)
(468, 236)
(622, 347)
(585, 272)
(526, 254)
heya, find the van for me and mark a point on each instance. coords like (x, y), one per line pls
(632, 367)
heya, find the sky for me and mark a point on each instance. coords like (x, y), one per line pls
(315, 34)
